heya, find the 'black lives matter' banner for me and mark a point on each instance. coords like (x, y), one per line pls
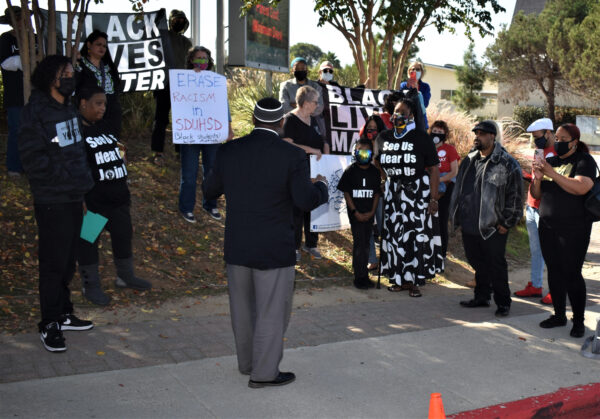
(346, 110)
(136, 44)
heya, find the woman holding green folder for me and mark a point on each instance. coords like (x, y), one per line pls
(109, 198)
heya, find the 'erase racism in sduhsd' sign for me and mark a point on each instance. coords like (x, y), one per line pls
(199, 107)
(135, 44)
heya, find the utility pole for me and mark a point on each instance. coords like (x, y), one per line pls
(195, 18)
(220, 37)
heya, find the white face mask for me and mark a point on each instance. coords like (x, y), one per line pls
(418, 75)
(327, 76)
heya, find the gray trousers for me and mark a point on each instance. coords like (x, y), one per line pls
(260, 304)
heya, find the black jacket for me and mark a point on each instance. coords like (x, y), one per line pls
(52, 151)
(263, 178)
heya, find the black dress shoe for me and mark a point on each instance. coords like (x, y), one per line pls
(475, 303)
(578, 330)
(503, 311)
(360, 285)
(282, 379)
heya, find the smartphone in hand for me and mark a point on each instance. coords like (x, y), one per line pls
(539, 155)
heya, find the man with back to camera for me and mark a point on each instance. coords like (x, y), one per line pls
(543, 137)
(263, 178)
(486, 202)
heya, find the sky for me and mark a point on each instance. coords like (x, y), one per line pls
(439, 49)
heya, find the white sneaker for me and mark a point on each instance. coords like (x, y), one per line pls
(189, 217)
(313, 251)
(214, 213)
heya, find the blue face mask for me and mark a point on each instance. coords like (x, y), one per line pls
(363, 156)
(418, 75)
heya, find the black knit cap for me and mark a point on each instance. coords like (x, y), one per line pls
(486, 126)
(268, 111)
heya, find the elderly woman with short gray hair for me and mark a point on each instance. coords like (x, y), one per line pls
(302, 130)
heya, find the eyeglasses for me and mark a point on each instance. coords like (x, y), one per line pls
(328, 70)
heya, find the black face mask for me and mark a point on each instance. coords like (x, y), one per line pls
(66, 86)
(540, 142)
(300, 75)
(178, 26)
(562, 148)
(438, 138)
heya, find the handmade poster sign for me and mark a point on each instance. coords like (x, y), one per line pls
(199, 107)
(332, 215)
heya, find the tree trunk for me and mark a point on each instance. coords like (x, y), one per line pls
(51, 27)
(551, 99)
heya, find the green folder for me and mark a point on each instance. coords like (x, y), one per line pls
(92, 226)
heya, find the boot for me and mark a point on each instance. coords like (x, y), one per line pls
(90, 285)
(126, 277)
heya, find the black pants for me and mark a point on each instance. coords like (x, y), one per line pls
(161, 119)
(59, 226)
(361, 237)
(443, 212)
(491, 270)
(564, 248)
(121, 232)
(302, 219)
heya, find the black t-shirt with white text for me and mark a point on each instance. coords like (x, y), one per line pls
(108, 168)
(556, 203)
(406, 157)
(362, 185)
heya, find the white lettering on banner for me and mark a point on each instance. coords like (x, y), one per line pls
(115, 30)
(349, 99)
(88, 25)
(134, 34)
(144, 80)
(150, 25)
(130, 80)
(335, 94)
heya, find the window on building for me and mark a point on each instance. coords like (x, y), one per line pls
(446, 94)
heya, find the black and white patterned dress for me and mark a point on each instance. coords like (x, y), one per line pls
(411, 249)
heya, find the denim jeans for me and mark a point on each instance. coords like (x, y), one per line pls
(532, 221)
(190, 154)
(13, 117)
(372, 253)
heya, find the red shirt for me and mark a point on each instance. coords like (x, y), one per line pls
(385, 117)
(531, 201)
(447, 154)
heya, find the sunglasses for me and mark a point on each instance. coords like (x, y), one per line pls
(327, 70)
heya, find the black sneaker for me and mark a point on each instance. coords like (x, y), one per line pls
(70, 322)
(52, 337)
(578, 330)
(553, 321)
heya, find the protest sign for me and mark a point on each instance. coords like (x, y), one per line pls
(346, 110)
(199, 107)
(136, 44)
(332, 215)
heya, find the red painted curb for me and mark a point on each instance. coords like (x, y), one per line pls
(572, 402)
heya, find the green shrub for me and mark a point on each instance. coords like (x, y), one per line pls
(525, 115)
(138, 114)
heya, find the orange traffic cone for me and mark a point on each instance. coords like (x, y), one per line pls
(436, 407)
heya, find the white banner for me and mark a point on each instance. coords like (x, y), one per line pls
(198, 107)
(332, 215)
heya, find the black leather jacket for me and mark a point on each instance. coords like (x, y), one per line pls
(501, 191)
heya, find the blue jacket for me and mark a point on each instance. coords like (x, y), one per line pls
(263, 178)
(501, 191)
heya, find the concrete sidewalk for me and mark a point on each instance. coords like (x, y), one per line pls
(358, 354)
(472, 365)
